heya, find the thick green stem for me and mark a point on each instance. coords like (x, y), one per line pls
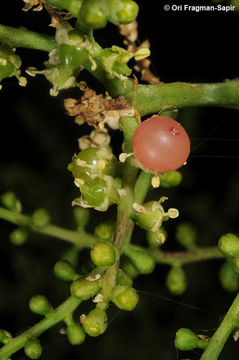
(147, 99)
(81, 239)
(218, 340)
(185, 257)
(22, 37)
(150, 99)
(55, 317)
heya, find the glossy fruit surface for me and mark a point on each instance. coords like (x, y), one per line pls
(161, 144)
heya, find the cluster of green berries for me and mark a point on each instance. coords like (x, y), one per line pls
(94, 170)
(39, 219)
(229, 246)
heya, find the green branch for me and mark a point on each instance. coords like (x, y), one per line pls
(150, 99)
(185, 257)
(22, 37)
(80, 238)
(147, 99)
(15, 344)
(218, 340)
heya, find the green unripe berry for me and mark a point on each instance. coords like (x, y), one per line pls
(40, 218)
(33, 349)
(84, 289)
(40, 305)
(156, 238)
(94, 191)
(75, 334)
(95, 322)
(176, 280)
(229, 245)
(123, 278)
(19, 236)
(186, 235)
(171, 178)
(129, 269)
(105, 231)
(86, 163)
(10, 201)
(65, 271)
(186, 340)
(81, 216)
(103, 254)
(142, 261)
(93, 14)
(124, 297)
(228, 277)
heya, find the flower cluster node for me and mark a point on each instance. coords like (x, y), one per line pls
(97, 110)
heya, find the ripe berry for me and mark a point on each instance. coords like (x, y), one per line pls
(161, 144)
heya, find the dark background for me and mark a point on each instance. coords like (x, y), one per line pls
(38, 141)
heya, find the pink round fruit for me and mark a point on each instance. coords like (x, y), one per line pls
(161, 144)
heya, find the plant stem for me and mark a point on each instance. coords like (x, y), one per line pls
(22, 37)
(81, 239)
(147, 99)
(56, 316)
(185, 257)
(150, 99)
(218, 340)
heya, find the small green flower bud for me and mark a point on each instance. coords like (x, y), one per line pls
(186, 235)
(93, 14)
(123, 11)
(33, 349)
(141, 54)
(40, 305)
(75, 334)
(9, 63)
(84, 289)
(176, 280)
(19, 236)
(65, 271)
(2, 335)
(5, 336)
(10, 201)
(40, 218)
(171, 178)
(103, 254)
(124, 297)
(123, 278)
(149, 216)
(229, 245)
(105, 231)
(186, 340)
(228, 277)
(95, 322)
(129, 269)
(156, 238)
(81, 216)
(142, 261)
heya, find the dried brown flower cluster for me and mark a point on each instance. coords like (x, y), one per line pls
(97, 110)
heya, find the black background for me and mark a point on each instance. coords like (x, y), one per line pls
(38, 141)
